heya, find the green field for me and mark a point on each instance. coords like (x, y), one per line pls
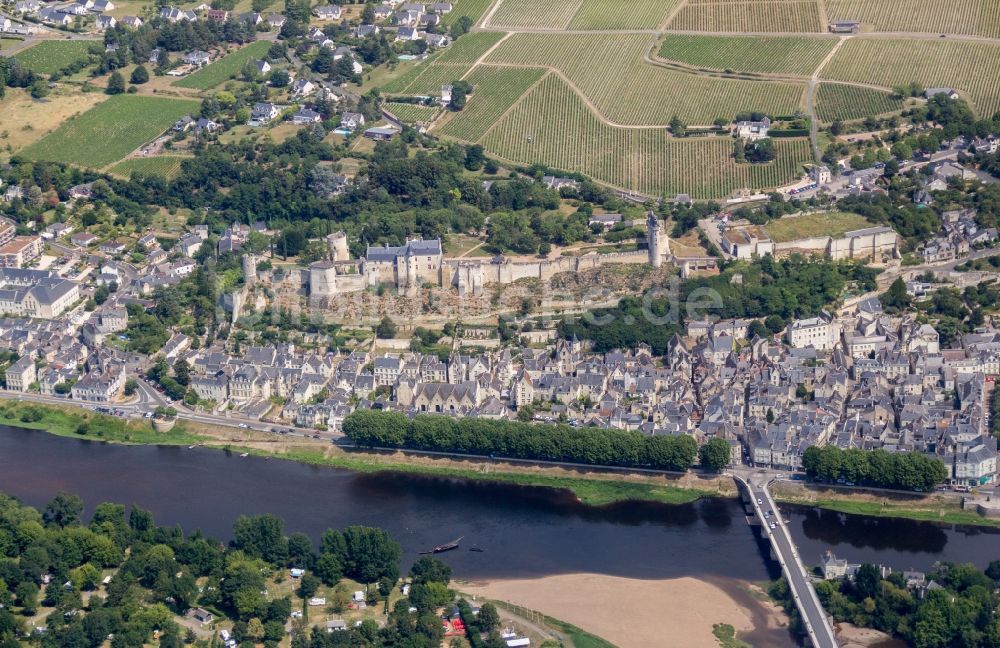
(496, 90)
(610, 71)
(611, 14)
(168, 166)
(968, 17)
(836, 101)
(749, 16)
(786, 55)
(551, 125)
(412, 112)
(228, 67)
(48, 57)
(472, 8)
(833, 224)
(110, 131)
(968, 66)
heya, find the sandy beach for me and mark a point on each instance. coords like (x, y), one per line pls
(630, 613)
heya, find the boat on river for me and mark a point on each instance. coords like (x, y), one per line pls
(448, 546)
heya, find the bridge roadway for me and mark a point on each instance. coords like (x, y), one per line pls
(814, 617)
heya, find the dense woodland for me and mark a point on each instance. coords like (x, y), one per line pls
(56, 559)
(962, 611)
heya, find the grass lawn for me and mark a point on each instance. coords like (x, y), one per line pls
(26, 120)
(111, 130)
(48, 57)
(65, 421)
(821, 224)
(6, 43)
(228, 67)
(459, 244)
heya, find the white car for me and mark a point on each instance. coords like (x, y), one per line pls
(773, 525)
(244, 425)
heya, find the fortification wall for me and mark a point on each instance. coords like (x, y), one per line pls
(815, 245)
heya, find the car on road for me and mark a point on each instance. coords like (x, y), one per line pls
(244, 425)
(760, 501)
(773, 525)
(315, 436)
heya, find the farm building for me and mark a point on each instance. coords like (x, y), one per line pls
(845, 27)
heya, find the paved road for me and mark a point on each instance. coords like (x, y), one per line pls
(814, 617)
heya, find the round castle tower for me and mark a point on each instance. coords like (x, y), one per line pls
(337, 246)
(654, 236)
(322, 279)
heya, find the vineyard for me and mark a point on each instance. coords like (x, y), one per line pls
(412, 113)
(537, 14)
(610, 14)
(496, 89)
(553, 126)
(786, 55)
(969, 67)
(48, 57)
(980, 17)
(469, 48)
(752, 16)
(227, 67)
(110, 131)
(427, 78)
(167, 166)
(472, 8)
(610, 71)
(839, 102)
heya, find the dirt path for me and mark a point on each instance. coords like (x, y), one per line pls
(670, 17)
(489, 14)
(811, 99)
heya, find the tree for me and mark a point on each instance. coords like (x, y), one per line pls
(329, 568)
(386, 329)
(489, 618)
(993, 570)
(677, 127)
(279, 78)
(116, 83)
(430, 569)
(64, 510)
(139, 75)
(461, 26)
(714, 455)
(896, 297)
(308, 585)
(261, 536)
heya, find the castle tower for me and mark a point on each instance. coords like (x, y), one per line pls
(322, 279)
(654, 234)
(337, 245)
(249, 269)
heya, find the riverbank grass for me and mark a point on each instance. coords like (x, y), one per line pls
(592, 491)
(78, 423)
(931, 508)
(726, 634)
(579, 638)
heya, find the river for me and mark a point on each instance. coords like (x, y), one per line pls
(524, 532)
